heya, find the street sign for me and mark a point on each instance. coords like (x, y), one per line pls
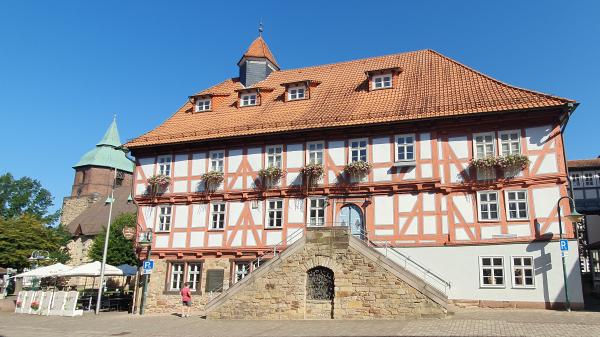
(148, 266)
(564, 245)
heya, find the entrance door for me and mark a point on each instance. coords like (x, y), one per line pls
(351, 215)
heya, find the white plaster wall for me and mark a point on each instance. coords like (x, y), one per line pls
(215, 239)
(181, 216)
(460, 266)
(198, 163)
(140, 189)
(162, 241)
(459, 146)
(426, 171)
(255, 158)
(257, 213)
(336, 151)
(406, 202)
(181, 165)
(536, 137)
(544, 200)
(180, 186)
(382, 174)
(148, 213)
(295, 155)
(179, 239)
(274, 237)
(147, 165)
(384, 210)
(234, 212)
(199, 215)
(381, 150)
(197, 239)
(295, 212)
(549, 164)
(464, 205)
(428, 202)
(234, 158)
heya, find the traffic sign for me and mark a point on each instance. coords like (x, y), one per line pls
(564, 245)
(148, 266)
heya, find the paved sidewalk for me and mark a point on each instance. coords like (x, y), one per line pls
(466, 322)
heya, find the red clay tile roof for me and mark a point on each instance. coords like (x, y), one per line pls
(429, 85)
(584, 163)
(259, 48)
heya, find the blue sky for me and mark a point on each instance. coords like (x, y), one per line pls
(67, 66)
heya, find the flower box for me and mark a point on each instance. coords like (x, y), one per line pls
(158, 183)
(270, 176)
(35, 305)
(358, 168)
(312, 173)
(212, 180)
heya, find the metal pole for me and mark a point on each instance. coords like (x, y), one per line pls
(564, 263)
(145, 289)
(101, 286)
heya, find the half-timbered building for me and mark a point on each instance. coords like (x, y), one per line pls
(448, 172)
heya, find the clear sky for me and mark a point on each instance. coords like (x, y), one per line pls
(67, 66)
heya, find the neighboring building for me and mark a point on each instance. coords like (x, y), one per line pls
(85, 212)
(418, 118)
(585, 184)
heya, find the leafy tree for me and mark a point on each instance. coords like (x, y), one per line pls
(25, 196)
(21, 235)
(120, 250)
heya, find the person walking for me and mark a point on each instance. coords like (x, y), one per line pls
(186, 300)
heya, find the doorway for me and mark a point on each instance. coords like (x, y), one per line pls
(351, 215)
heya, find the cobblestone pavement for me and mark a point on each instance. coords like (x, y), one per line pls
(466, 322)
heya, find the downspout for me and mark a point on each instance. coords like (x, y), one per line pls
(570, 109)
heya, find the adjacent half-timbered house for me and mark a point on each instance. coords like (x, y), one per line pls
(414, 152)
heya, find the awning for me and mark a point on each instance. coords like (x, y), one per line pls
(93, 269)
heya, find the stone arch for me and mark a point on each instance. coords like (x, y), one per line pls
(321, 261)
(320, 284)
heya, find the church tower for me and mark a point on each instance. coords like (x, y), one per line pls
(94, 174)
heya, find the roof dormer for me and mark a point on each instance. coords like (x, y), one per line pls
(383, 78)
(298, 90)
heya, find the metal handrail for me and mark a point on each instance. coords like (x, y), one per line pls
(388, 247)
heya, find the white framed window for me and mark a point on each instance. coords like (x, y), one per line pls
(405, 147)
(589, 179)
(203, 104)
(358, 150)
(194, 271)
(274, 214)
(522, 272)
(274, 157)
(382, 81)
(488, 205)
(217, 219)
(164, 165)
(176, 281)
(576, 179)
(315, 152)
(248, 99)
(242, 269)
(217, 161)
(297, 92)
(316, 211)
(484, 145)
(510, 142)
(164, 218)
(516, 204)
(491, 271)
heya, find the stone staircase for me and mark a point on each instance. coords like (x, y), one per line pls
(368, 285)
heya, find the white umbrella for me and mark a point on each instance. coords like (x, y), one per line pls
(47, 271)
(93, 269)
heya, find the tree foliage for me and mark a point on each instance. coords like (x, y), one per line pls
(21, 235)
(120, 250)
(25, 196)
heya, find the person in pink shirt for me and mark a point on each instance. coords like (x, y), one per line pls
(186, 300)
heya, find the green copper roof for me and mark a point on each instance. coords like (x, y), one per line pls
(105, 153)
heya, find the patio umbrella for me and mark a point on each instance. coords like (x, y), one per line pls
(128, 270)
(93, 269)
(47, 271)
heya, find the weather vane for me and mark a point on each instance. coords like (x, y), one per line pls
(260, 28)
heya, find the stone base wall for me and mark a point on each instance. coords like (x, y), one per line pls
(160, 300)
(363, 287)
(78, 249)
(73, 206)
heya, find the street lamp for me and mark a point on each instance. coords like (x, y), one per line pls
(36, 256)
(573, 217)
(112, 200)
(145, 240)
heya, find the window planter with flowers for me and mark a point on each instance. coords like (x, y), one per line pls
(19, 304)
(511, 164)
(270, 176)
(157, 184)
(212, 180)
(312, 173)
(358, 169)
(35, 305)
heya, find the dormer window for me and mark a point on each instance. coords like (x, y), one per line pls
(248, 99)
(203, 105)
(382, 81)
(297, 92)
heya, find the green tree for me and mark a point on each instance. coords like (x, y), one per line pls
(21, 235)
(120, 250)
(25, 196)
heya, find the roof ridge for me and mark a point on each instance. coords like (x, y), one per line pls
(496, 80)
